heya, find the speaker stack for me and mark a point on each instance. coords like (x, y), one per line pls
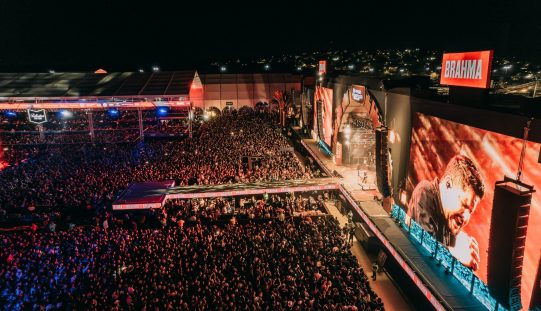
(509, 223)
(320, 119)
(382, 162)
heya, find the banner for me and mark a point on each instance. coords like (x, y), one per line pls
(37, 116)
(471, 69)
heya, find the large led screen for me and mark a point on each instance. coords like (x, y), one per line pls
(453, 169)
(324, 96)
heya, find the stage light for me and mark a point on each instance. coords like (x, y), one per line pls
(65, 114)
(10, 114)
(162, 111)
(403, 197)
(347, 130)
(113, 113)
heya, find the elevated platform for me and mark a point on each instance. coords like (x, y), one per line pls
(143, 195)
(228, 190)
(442, 290)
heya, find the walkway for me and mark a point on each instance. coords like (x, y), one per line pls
(384, 286)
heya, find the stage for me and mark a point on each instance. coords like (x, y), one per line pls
(442, 290)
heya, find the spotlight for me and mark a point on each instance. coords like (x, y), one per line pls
(10, 114)
(162, 111)
(66, 114)
(113, 113)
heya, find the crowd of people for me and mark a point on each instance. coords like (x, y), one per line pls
(273, 253)
(304, 263)
(122, 125)
(81, 175)
(275, 206)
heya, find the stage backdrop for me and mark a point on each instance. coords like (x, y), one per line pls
(435, 141)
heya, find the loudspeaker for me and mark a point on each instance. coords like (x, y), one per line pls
(509, 223)
(319, 107)
(382, 162)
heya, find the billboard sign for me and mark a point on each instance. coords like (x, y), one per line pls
(453, 170)
(322, 69)
(469, 69)
(37, 116)
(357, 94)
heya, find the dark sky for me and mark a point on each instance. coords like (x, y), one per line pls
(125, 35)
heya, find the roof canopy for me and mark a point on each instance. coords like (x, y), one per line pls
(79, 85)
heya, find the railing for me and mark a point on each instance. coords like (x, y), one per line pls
(440, 253)
(433, 297)
(316, 158)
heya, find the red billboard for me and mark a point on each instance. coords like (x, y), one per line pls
(322, 68)
(450, 187)
(470, 69)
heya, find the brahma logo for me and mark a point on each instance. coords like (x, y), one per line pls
(357, 95)
(466, 69)
(37, 116)
(471, 69)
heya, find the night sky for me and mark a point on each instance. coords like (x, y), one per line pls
(126, 35)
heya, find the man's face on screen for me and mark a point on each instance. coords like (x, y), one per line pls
(459, 203)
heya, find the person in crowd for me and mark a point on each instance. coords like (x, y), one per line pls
(375, 268)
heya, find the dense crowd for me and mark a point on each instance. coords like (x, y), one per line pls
(268, 253)
(74, 128)
(81, 175)
(276, 206)
(276, 265)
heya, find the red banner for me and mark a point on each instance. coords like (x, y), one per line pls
(470, 69)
